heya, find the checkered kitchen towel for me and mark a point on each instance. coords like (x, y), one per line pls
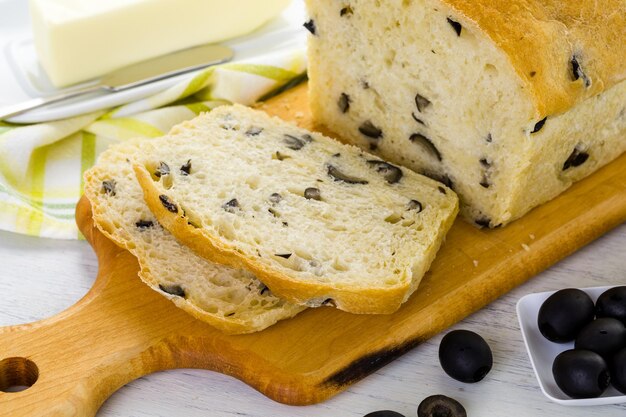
(42, 165)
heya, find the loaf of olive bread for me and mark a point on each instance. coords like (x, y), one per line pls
(319, 222)
(506, 101)
(232, 300)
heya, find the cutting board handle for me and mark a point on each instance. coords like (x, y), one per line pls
(58, 366)
(119, 331)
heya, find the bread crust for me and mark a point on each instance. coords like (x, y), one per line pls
(540, 39)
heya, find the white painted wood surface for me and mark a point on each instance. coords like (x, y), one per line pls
(39, 278)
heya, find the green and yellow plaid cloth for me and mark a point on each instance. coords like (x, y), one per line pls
(42, 165)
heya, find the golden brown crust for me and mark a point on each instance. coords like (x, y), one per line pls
(384, 300)
(541, 37)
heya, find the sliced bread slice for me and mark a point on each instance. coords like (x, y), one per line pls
(319, 222)
(232, 300)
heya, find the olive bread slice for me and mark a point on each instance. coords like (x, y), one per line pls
(319, 222)
(232, 300)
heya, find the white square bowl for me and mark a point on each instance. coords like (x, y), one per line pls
(542, 352)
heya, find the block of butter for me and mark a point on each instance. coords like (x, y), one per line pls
(77, 40)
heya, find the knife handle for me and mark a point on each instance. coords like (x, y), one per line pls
(19, 108)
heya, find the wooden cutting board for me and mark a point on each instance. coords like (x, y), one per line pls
(122, 330)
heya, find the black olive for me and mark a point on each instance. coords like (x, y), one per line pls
(368, 129)
(163, 169)
(283, 255)
(440, 406)
(168, 204)
(576, 158)
(329, 302)
(337, 175)
(483, 221)
(144, 224)
(604, 336)
(312, 193)
(276, 198)
(456, 26)
(612, 303)
(421, 102)
(384, 413)
(581, 373)
(186, 168)
(391, 173)
(465, 356)
(577, 72)
(254, 131)
(108, 187)
(485, 181)
(310, 26)
(231, 205)
(294, 143)
(539, 125)
(617, 367)
(426, 144)
(418, 120)
(346, 11)
(344, 102)
(414, 205)
(575, 68)
(174, 289)
(564, 314)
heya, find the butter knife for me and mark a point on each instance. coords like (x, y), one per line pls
(142, 73)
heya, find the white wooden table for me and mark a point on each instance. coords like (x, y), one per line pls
(40, 277)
